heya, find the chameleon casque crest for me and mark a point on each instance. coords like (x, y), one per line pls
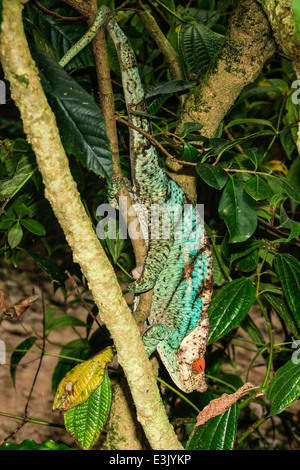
(178, 268)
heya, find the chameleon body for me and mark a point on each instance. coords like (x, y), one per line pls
(178, 268)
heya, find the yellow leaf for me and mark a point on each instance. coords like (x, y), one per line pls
(276, 165)
(78, 385)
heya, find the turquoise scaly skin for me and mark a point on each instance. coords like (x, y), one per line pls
(179, 268)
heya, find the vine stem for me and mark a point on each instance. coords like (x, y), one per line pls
(177, 393)
(271, 340)
(31, 420)
(250, 430)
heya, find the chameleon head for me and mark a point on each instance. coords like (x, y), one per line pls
(190, 358)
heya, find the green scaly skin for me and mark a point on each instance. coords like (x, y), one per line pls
(179, 271)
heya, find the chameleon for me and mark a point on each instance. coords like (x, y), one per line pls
(179, 267)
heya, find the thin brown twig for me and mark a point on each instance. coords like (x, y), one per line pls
(182, 162)
(56, 15)
(82, 299)
(151, 139)
(231, 138)
(41, 356)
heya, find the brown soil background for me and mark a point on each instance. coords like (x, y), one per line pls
(17, 283)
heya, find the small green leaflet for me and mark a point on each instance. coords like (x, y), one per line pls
(280, 305)
(215, 176)
(11, 185)
(86, 421)
(284, 388)
(15, 235)
(49, 266)
(288, 270)
(229, 307)
(237, 209)
(64, 320)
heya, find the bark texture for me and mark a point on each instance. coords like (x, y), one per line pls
(246, 47)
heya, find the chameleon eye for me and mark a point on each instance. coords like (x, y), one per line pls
(198, 366)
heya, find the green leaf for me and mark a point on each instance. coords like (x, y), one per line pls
(281, 307)
(288, 270)
(15, 258)
(290, 189)
(190, 154)
(257, 188)
(284, 388)
(219, 265)
(291, 117)
(263, 122)
(173, 86)
(64, 320)
(198, 45)
(189, 127)
(33, 226)
(237, 209)
(60, 34)
(85, 422)
(293, 177)
(17, 356)
(225, 145)
(29, 444)
(287, 142)
(5, 222)
(288, 223)
(214, 176)
(252, 330)
(15, 235)
(79, 119)
(11, 185)
(238, 251)
(114, 243)
(217, 433)
(229, 307)
(49, 266)
(249, 262)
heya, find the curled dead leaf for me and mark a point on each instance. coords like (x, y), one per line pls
(220, 405)
(16, 310)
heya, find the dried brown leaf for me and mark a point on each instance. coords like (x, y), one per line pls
(220, 405)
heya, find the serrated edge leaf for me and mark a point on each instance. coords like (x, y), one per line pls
(86, 432)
